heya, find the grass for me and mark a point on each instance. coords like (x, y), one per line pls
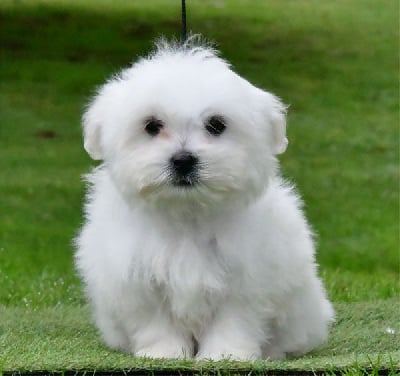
(32, 336)
(334, 62)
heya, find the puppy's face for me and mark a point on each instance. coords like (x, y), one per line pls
(181, 125)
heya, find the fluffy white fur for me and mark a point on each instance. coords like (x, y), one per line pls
(223, 268)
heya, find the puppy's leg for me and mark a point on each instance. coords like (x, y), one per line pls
(112, 331)
(159, 337)
(235, 333)
(304, 324)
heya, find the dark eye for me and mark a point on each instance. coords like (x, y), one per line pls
(215, 125)
(153, 126)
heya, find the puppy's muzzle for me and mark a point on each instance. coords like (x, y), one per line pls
(184, 166)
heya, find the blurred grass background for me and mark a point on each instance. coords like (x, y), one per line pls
(334, 62)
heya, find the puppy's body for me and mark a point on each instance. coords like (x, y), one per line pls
(191, 237)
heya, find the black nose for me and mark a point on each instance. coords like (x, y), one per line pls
(184, 163)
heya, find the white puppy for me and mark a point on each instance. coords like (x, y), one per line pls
(193, 245)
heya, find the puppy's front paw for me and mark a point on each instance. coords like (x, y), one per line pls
(164, 350)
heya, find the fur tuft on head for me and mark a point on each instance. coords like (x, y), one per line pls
(195, 44)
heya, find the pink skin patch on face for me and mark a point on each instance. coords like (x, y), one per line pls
(164, 134)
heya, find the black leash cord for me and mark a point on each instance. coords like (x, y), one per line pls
(184, 29)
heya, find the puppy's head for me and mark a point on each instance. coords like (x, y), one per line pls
(181, 124)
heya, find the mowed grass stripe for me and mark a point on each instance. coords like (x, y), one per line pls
(63, 338)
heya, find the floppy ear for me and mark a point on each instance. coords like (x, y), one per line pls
(92, 128)
(277, 119)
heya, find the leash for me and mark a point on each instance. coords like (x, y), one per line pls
(184, 27)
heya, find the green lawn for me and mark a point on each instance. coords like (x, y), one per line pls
(62, 338)
(334, 62)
